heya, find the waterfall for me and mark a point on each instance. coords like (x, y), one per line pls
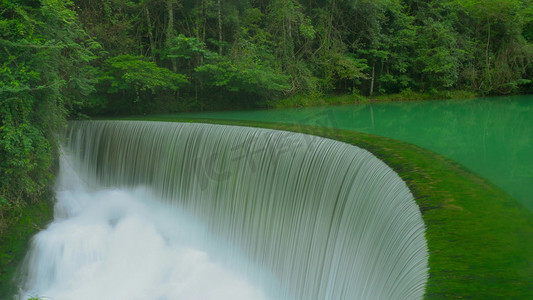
(322, 219)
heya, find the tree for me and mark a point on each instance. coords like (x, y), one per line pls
(131, 82)
(45, 74)
(437, 55)
(500, 54)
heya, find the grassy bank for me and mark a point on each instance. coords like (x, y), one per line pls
(20, 224)
(479, 238)
(406, 95)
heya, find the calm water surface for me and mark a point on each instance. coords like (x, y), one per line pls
(491, 136)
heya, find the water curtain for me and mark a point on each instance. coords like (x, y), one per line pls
(327, 219)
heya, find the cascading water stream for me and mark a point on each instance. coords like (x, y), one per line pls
(305, 217)
(123, 244)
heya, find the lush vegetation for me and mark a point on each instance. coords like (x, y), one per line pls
(479, 238)
(150, 56)
(45, 72)
(249, 53)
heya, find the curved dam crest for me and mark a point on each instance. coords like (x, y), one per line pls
(327, 220)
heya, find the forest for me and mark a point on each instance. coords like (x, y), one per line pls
(64, 59)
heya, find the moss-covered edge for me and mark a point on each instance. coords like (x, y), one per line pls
(24, 222)
(480, 239)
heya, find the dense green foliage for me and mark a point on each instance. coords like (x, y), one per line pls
(244, 53)
(44, 73)
(176, 55)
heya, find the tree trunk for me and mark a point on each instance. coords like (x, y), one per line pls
(487, 57)
(150, 35)
(219, 28)
(197, 21)
(170, 31)
(170, 10)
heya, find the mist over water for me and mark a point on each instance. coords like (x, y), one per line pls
(125, 244)
(197, 211)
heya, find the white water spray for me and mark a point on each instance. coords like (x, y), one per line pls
(124, 244)
(306, 217)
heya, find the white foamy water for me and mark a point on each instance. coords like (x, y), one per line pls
(122, 244)
(227, 212)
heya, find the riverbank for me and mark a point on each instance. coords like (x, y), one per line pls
(406, 95)
(479, 237)
(20, 224)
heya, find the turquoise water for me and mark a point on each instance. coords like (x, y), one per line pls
(491, 136)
